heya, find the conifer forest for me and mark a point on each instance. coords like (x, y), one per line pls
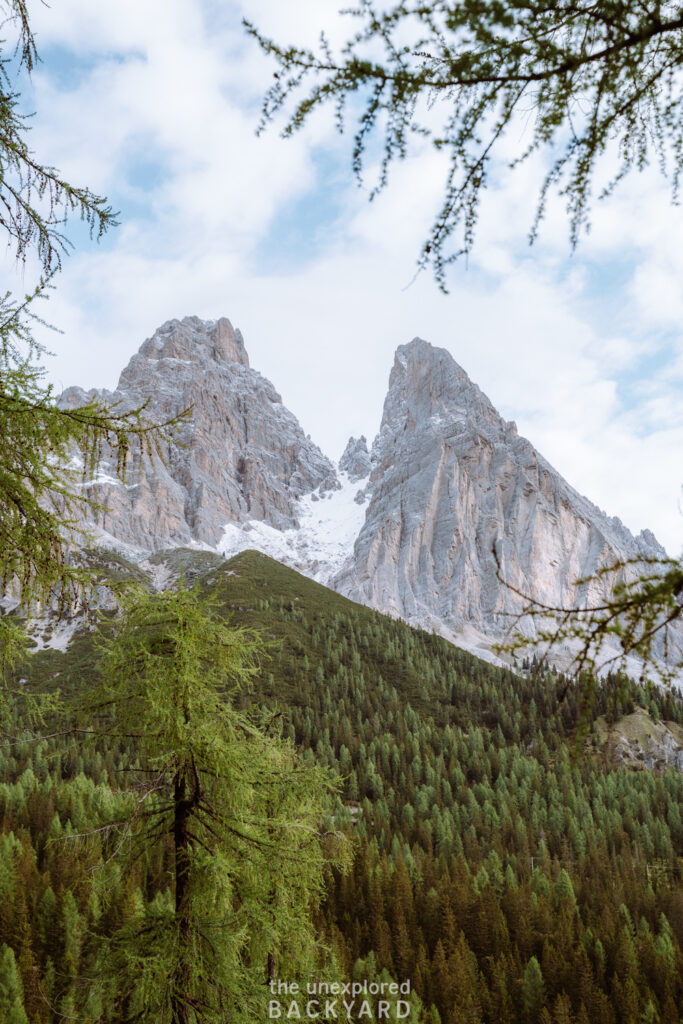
(496, 853)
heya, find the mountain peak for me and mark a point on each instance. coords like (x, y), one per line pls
(450, 482)
(427, 385)
(195, 340)
(240, 457)
(421, 357)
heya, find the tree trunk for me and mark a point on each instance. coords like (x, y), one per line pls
(182, 983)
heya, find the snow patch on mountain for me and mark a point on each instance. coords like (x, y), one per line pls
(322, 543)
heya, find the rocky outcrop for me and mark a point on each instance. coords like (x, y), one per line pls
(639, 742)
(457, 493)
(240, 456)
(355, 461)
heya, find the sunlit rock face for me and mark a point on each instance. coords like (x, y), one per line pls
(461, 506)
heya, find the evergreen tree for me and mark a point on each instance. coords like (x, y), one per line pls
(240, 814)
(533, 991)
(11, 990)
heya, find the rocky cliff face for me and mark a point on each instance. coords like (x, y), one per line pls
(456, 490)
(242, 455)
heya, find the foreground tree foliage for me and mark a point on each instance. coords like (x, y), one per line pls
(234, 813)
(633, 630)
(35, 200)
(47, 453)
(588, 79)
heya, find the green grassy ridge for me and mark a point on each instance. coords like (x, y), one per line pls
(297, 607)
(288, 609)
(240, 587)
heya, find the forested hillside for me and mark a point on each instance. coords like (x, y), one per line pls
(510, 870)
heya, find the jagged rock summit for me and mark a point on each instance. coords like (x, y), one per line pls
(242, 455)
(355, 460)
(459, 500)
(193, 340)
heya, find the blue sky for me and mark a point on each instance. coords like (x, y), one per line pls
(156, 104)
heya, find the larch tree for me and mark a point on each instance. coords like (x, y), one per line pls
(463, 75)
(635, 624)
(240, 816)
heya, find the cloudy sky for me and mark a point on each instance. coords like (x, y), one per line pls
(155, 103)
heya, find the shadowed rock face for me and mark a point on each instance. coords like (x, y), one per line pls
(241, 456)
(451, 482)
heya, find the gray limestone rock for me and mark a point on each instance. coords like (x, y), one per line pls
(456, 498)
(452, 482)
(356, 459)
(241, 455)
